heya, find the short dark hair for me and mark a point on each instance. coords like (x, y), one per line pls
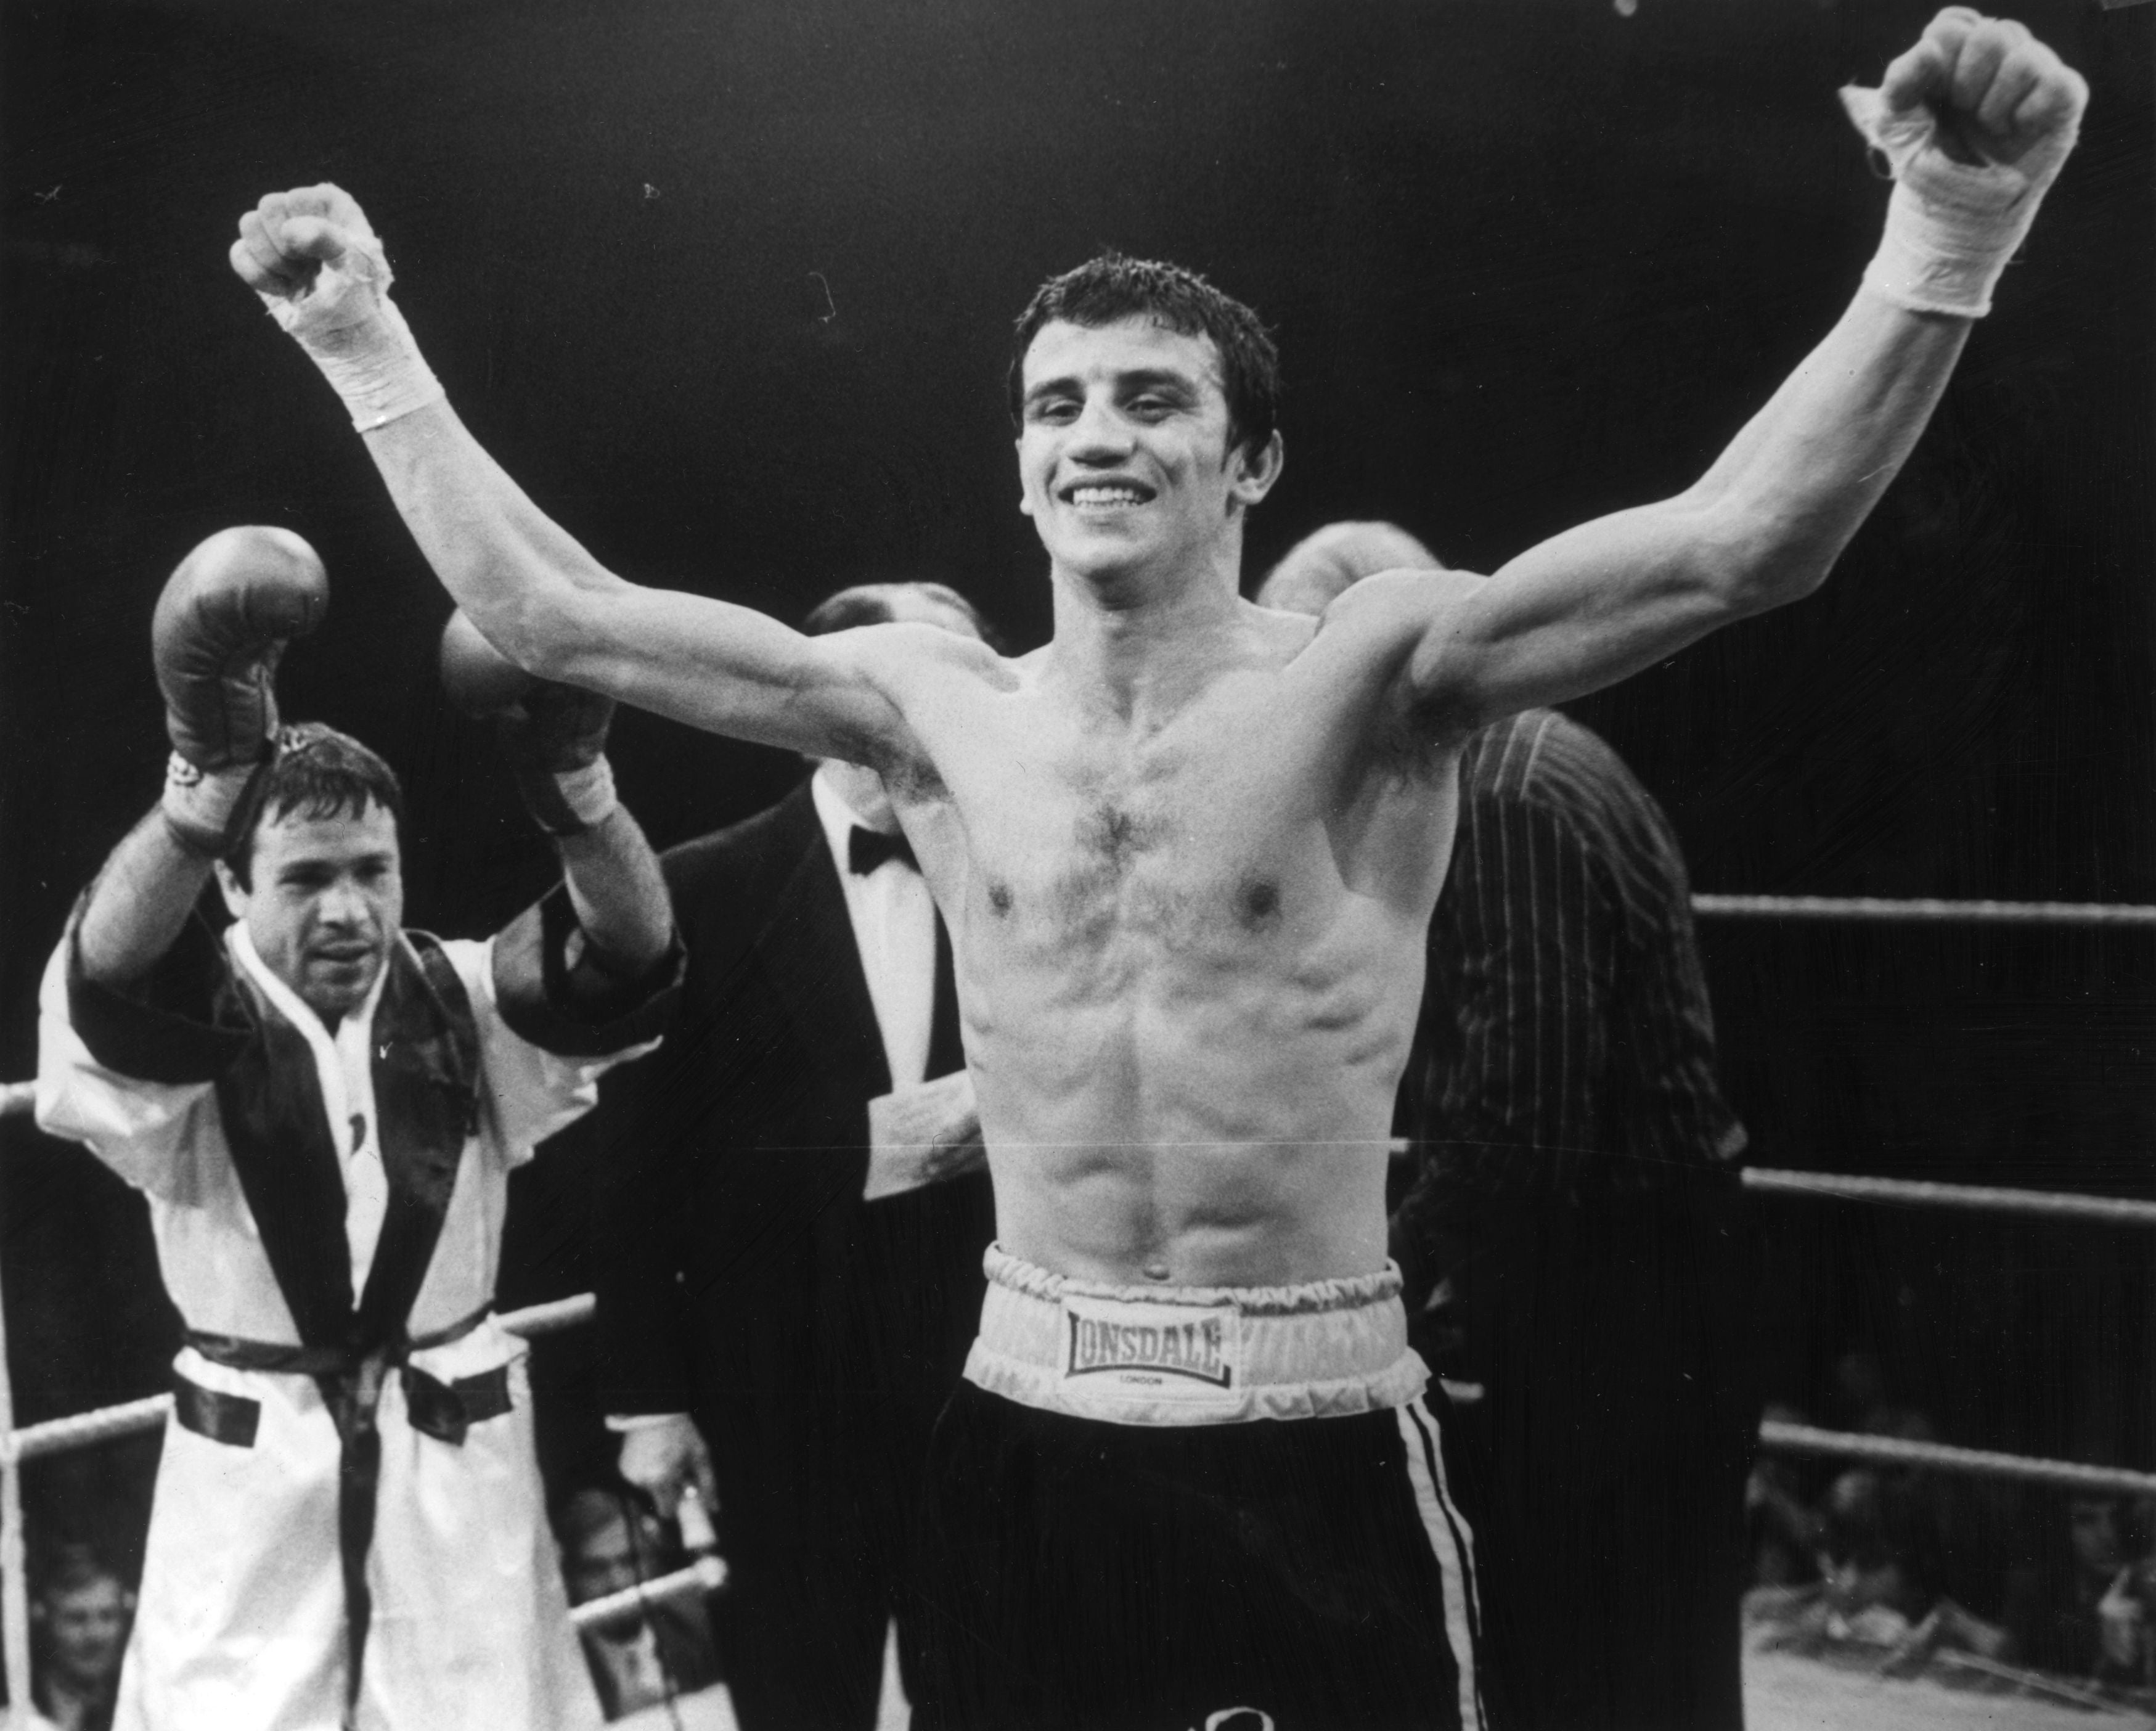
(1106, 290)
(70, 1566)
(875, 604)
(316, 773)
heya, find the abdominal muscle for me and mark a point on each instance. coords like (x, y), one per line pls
(1237, 1135)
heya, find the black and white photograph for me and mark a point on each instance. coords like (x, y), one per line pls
(1234, 865)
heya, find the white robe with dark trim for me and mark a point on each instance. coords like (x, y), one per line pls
(241, 1618)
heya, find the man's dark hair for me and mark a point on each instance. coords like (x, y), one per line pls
(69, 1567)
(317, 772)
(876, 604)
(1106, 290)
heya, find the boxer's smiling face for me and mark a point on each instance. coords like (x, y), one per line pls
(1123, 448)
(323, 902)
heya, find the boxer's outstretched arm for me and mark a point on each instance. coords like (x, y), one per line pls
(1975, 119)
(545, 602)
(530, 585)
(1762, 528)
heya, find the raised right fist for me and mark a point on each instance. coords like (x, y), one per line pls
(1975, 121)
(222, 621)
(1984, 93)
(315, 261)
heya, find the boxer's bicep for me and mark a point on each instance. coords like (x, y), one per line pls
(1761, 527)
(1582, 610)
(731, 670)
(542, 599)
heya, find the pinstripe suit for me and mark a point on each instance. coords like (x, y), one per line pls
(1576, 1183)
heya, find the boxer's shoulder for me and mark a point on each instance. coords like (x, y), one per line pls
(901, 654)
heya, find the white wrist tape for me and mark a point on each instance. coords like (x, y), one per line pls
(199, 803)
(588, 792)
(1951, 226)
(377, 368)
(346, 322)
(623, 1423)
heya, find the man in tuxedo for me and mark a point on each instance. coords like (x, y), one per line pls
(794, 1270)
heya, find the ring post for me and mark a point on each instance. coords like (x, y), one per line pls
(14, 1573)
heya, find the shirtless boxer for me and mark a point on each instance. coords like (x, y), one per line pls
(1188, 852)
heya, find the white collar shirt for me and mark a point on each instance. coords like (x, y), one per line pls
(894, 921)
(344, 1066)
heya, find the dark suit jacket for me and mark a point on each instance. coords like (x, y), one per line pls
(731, 1278)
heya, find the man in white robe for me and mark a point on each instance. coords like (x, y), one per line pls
(323, 1109)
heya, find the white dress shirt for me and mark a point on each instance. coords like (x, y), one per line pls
(894, 920)
(345, 1073)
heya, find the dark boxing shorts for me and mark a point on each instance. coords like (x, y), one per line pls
(1186, 1509)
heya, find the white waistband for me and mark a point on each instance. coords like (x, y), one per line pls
(1194, 1355)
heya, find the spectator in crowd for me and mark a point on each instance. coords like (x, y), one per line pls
(1881, 1551)
(2082, 1607)
(79, 1611)
(1864, 1401)
(1966, 1520)
(1786, 1530)
(1881, 1556)
(609, 1542)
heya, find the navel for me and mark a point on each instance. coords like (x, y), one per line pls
(1156, 1271)
(1000, 899)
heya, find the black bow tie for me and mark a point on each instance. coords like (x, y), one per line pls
(868, 848)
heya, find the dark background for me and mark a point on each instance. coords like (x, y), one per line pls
(728, 288)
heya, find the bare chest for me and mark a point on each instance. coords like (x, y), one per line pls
(1235, 834)
(1172, 848)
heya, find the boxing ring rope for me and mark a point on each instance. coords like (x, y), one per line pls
(707, 1572)
(1982, 1463)
(1923, 910)
(1981, 1199)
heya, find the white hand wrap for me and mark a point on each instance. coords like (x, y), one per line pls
(198, 804)
(1951, 226)
(588, 792)
(346, 322)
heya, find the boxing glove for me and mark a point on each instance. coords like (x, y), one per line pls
(554, 735)
(221, 624)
